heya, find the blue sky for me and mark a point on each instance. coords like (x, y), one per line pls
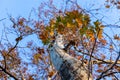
(17, 7)
(22, 8)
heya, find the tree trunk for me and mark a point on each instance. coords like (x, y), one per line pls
(68, 67)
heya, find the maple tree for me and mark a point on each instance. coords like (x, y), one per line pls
(84, 39)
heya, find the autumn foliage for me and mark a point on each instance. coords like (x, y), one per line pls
(90, 44)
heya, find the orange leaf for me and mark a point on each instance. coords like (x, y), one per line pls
(79, 57)
(107, 6)
(79, 22)
(116, 37)
(111, 46)
(51, 33)
(103, 42)
(31, 78)
(99, 70)
(50, 74)
(21, 21)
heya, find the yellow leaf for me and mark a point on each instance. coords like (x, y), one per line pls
(51, 33)
(37, 57)
(100, 36)
(91, 35)
(69, 25)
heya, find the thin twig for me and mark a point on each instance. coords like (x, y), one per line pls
(8, 73)
(2, 19)
(90, 63)
(101, 76)
(97, 60)
(111, 73)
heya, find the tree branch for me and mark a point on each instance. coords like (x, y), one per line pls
(98, 61)
(8, 73)
(113, 26)
(111, 73)
(101, 76)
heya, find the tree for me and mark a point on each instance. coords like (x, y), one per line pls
(75, 46)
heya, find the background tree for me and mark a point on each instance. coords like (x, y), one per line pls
(85, 39)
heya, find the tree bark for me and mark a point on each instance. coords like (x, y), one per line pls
(68, 67)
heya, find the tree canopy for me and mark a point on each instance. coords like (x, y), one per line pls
(86, 39)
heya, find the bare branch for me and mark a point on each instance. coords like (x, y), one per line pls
(8, 73)
(2, 19)
(104, 72)
(98, 61)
